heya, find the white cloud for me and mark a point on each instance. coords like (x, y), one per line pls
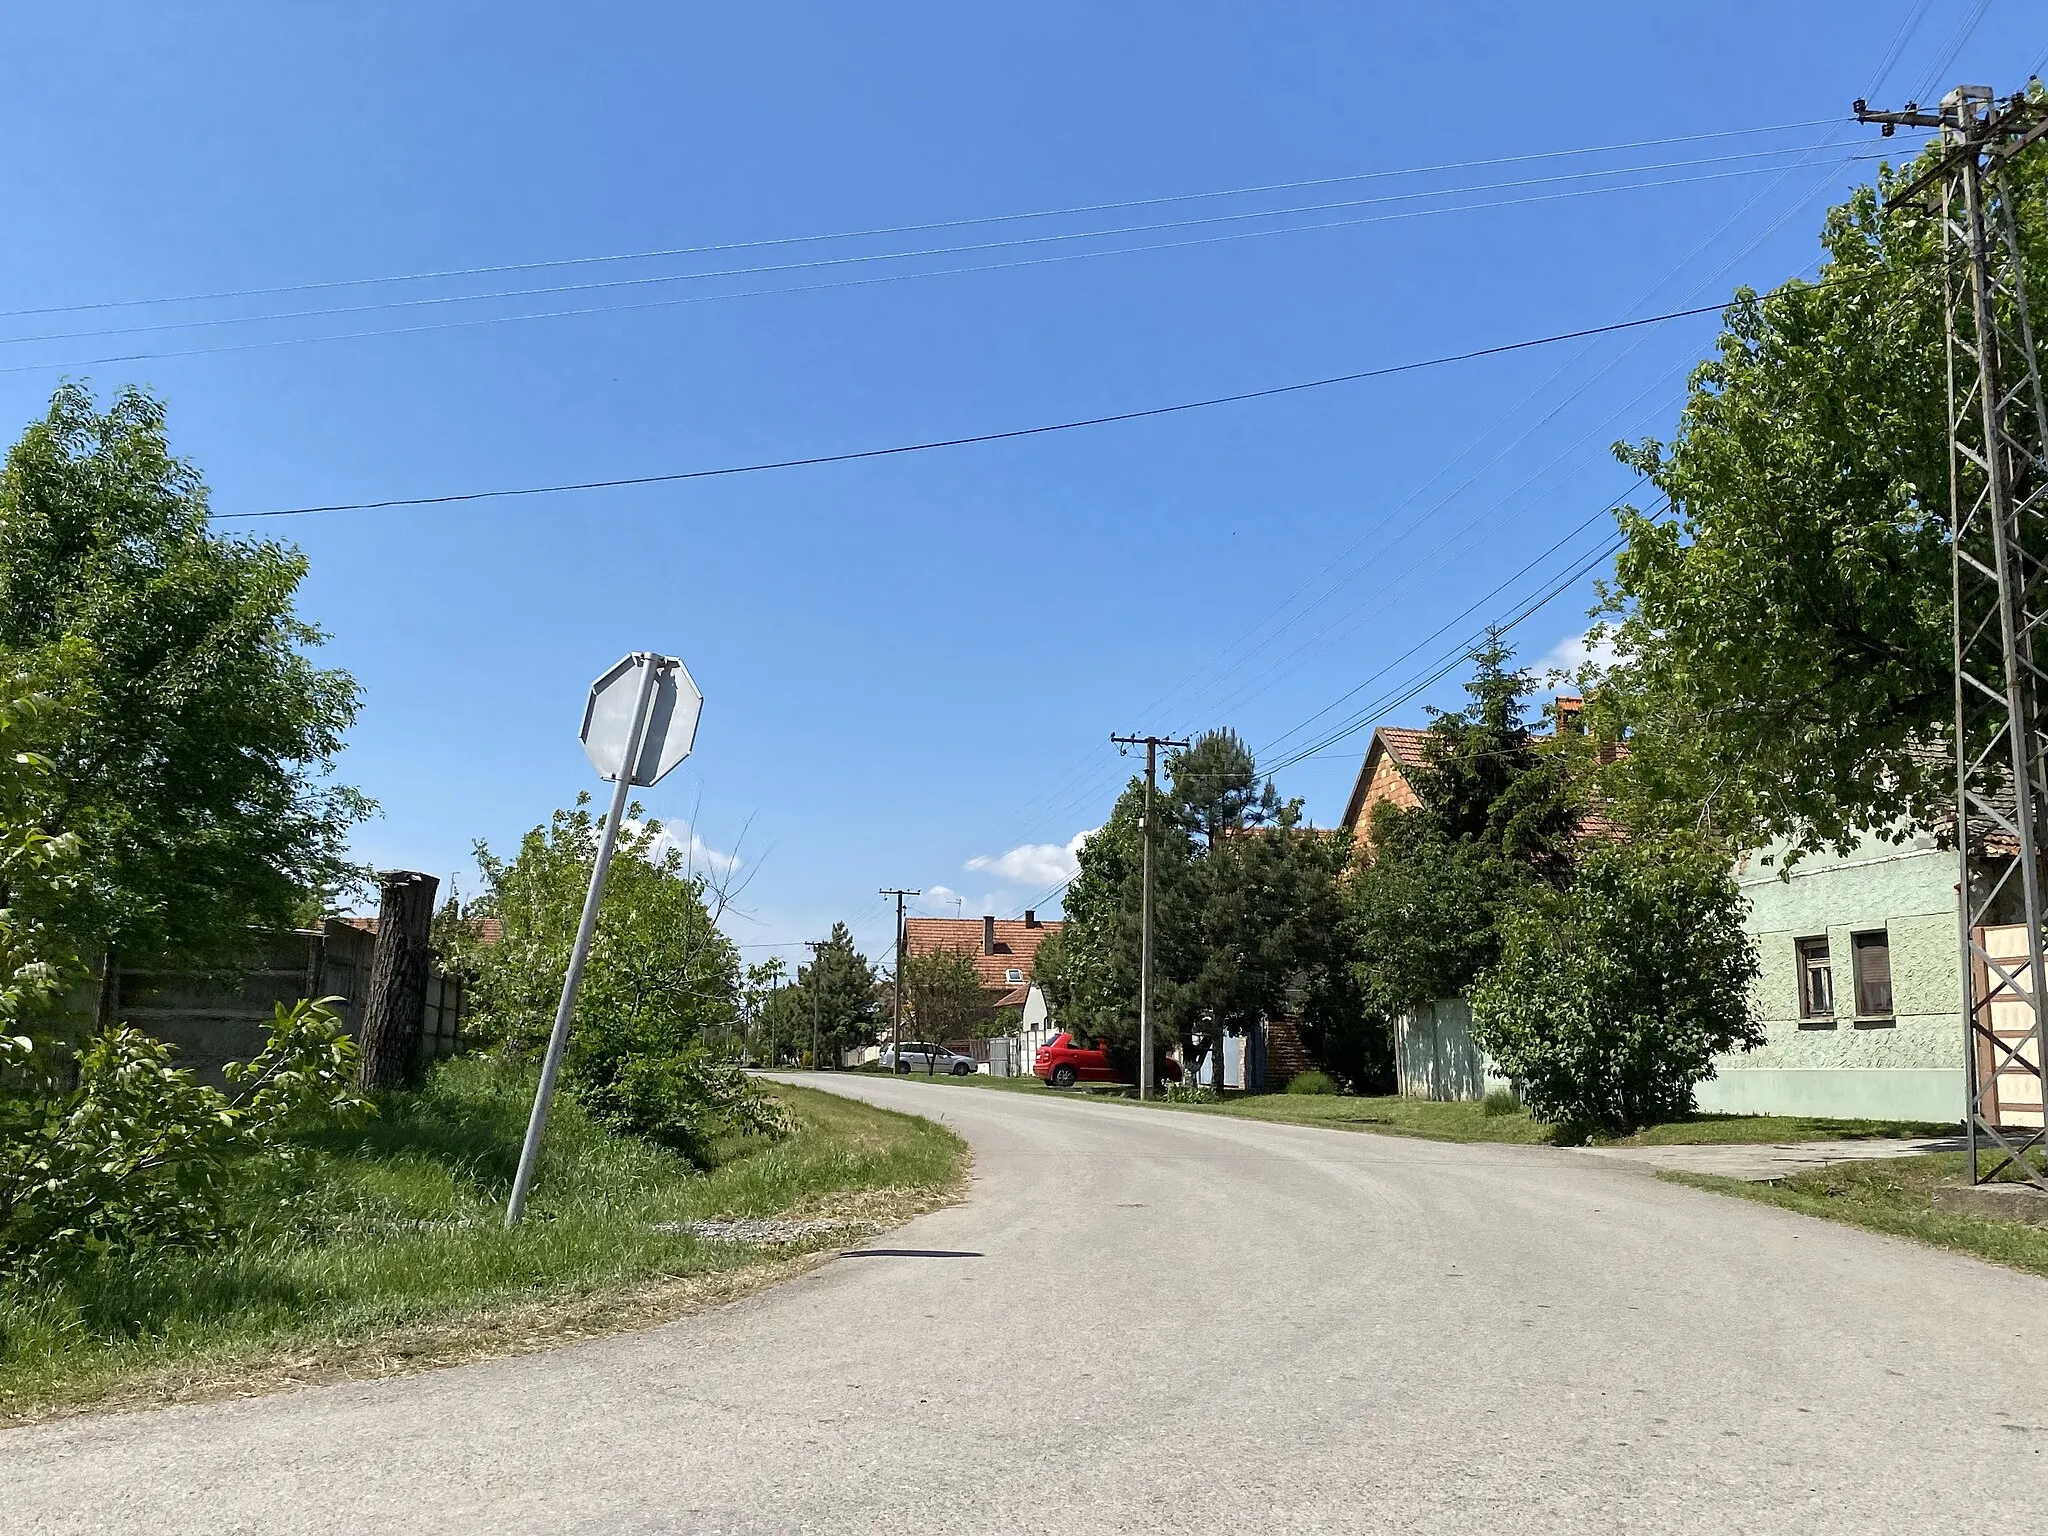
(1565, 659)
(1035, 864)
(697, 854)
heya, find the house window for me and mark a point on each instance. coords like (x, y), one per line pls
(1816, 982)
(1013, 976)
(1873, 975)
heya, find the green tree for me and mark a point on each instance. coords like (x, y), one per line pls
(1089, 968)
(189, 734)
(661, 980)
(1247, 916)
(1496, 813)
(1782, 639)
(1611, 999)
(943, 994)
(842, 985)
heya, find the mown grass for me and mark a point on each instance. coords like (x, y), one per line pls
(397, 1227)
(1895, 1197)
(1471, 1122)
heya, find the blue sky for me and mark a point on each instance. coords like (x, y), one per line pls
(913, 664)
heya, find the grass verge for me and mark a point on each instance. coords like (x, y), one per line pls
(1895, 1197)
(383, 1251)
(1470, 1122)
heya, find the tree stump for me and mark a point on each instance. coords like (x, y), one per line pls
(394, 1008)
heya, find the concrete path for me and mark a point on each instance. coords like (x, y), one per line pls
(1761, 1164)
(1163, 1323)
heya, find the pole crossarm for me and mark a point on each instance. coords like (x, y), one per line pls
(1998, 495)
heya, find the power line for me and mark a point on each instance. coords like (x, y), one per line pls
(870, 257)
(501, 268)
(1010, 434)
(1435, 671)
(1965, 29)
(869, 282)
(1086, 769)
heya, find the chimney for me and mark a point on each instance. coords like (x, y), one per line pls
(988, 935)
(1030, 918)
(1569, 722)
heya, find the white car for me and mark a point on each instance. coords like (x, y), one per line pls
(921, 1056)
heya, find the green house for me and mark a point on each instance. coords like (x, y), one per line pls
(1860, 988)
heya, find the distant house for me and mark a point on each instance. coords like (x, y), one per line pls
(1004, 952)
(1434, 1054)
(1394, 752)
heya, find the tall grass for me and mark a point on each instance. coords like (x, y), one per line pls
(401, 1221)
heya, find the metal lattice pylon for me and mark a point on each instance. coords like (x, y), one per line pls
(1998, 490)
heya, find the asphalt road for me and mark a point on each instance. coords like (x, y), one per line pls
(1143, 1321)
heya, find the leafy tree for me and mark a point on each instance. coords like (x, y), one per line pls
(660, 981)
(119, 1150)
(1611, 999)
(943, 994)
(757, 993)
(1496, 814)
(1783, 646)
(189, 733)
(843, 984)
(1247, 917)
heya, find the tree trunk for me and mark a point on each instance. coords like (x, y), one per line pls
(394, 1010)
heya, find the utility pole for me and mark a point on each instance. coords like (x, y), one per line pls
(896, 1026)
(815, 946)
(1998, 509)
(1151, 744)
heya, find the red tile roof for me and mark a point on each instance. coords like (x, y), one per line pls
(1016, 947)
(1405, 746)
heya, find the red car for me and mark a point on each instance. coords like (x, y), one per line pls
(1064, 1061)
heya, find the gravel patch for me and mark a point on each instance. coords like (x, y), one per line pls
(767, 1232)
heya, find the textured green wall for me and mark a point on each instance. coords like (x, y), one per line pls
(1907, 1067)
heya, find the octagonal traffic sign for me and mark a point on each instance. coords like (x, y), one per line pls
(671, 722)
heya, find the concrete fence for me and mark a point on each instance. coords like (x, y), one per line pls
(1435, 1056)
(217, 1017)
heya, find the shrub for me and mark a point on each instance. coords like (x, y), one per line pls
(138, 1152)
(1611, 999)
(684, 1099)
(1311, 1082)
(1501, 1101)
(1190, 1093)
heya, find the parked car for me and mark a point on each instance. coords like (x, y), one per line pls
(922, 1056)
(1065, 1060)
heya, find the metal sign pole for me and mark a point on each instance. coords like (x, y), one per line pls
(551, 1067)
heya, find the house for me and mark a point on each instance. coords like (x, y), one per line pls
(1003, 951)
(1860, 987)
(1393, 753)
(1434, 1053)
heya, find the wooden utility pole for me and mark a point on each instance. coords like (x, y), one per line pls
(394, 1009)
(816, 947)
(896, 1028)
(1151, 744)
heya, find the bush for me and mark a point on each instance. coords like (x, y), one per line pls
(1611, 999)
(1501, 1101)
(1311, 1082)
(138, 1152)
(684, 1100)
(1190, 1093)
